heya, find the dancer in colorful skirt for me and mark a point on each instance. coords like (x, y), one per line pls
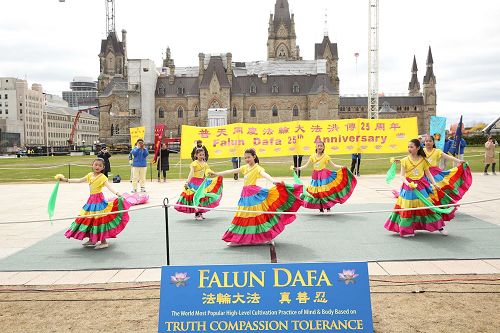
(98, 228)
(455, 181)
(415, 174)
(211, 187)
(259, 228)
(327, 187)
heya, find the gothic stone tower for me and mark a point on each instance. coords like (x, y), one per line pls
(429, 92)
(281, 40)
(112, 59)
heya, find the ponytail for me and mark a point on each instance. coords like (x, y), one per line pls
(418, 144)
(252, 152)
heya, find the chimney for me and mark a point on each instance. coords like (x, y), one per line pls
(171, 75)
(201, 65)
(229, 69)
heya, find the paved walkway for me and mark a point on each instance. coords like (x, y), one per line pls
(28, 202)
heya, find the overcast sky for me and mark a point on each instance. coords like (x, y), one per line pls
(49, 42)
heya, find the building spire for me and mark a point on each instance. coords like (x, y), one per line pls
(414, 85)
(281, 11)
(325, 32)
(429, 73)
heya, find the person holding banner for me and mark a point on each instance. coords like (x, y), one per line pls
(259, 228)
(454, 182)
(199, 190)
(417, 192)
(163, 161)
(139, 165)
(98, 228)
(327, 187)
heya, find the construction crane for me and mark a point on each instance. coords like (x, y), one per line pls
(77, 118)
(373, 61)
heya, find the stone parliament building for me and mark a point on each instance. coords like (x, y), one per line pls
(285, 87)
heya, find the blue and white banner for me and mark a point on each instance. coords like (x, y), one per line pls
(438, 130)
(319, 297)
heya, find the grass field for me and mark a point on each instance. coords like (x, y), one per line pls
(42, 169)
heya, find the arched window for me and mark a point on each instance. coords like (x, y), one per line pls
(215, 104)
(180, 112)
(275, 111)
(275, 88)
(180, 90)
(295, 111)
(253, 111)
(112, 129)
(161, 112)
(196, 111)
(235, 112)
(253, 88)
(295, 88)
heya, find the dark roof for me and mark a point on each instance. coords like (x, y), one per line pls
(117, 84)
(116, 45)
(392, 100)
(308, 84)
(319, 49)
(414, 67)
(215, 65)
(281, 13)
(429, 57)
(190, 85)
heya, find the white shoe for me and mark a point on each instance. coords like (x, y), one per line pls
(89, 244)
(198, 218)
(143, 189)
(231, 244)
(133, 191)
(408, 235)
(101, 246)
(443, 232)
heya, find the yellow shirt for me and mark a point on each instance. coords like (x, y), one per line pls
(319, 163)
(433, 156)
(414, 170)
(251, 174)
(96, 183)
(200, 169)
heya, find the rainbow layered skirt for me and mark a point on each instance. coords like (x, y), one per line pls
(98, 228)
(258, 228)
(406, 222)
(328, 188)
(454, 182)
(211, 185)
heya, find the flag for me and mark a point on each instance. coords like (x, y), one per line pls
(159, 129)
(458, 138)
(438, 131)
(52, 201)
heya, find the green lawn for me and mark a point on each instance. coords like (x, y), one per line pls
(42, 169)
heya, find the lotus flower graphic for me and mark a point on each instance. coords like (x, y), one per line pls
(348, 276)
(291, 148)
(350, 147)
(179, 279)
(335, 148)
(277, 149)
(364, 147)
(400, 135)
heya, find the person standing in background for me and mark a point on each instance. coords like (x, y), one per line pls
(489, 155)
(356, 162)
(199, 144)
(140, 165)
(163, 164)
(236, 164)
(297, 163)
(105, 155)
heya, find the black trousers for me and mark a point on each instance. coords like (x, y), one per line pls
(164, 172)
(297, 163)
(356, 162)
(492, 167)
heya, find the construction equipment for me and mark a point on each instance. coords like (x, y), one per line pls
(77, 117)
(373, 61)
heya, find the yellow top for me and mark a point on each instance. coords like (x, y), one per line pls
(414, 170)
(319, 163)
(251, 174)
(200, 169)
(433, 156)
(96, 183)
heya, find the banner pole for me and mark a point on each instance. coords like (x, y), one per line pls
(167, 238)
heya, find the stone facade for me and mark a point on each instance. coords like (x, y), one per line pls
(284, 87)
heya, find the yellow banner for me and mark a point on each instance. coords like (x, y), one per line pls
(347, 136)
(136, 133)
